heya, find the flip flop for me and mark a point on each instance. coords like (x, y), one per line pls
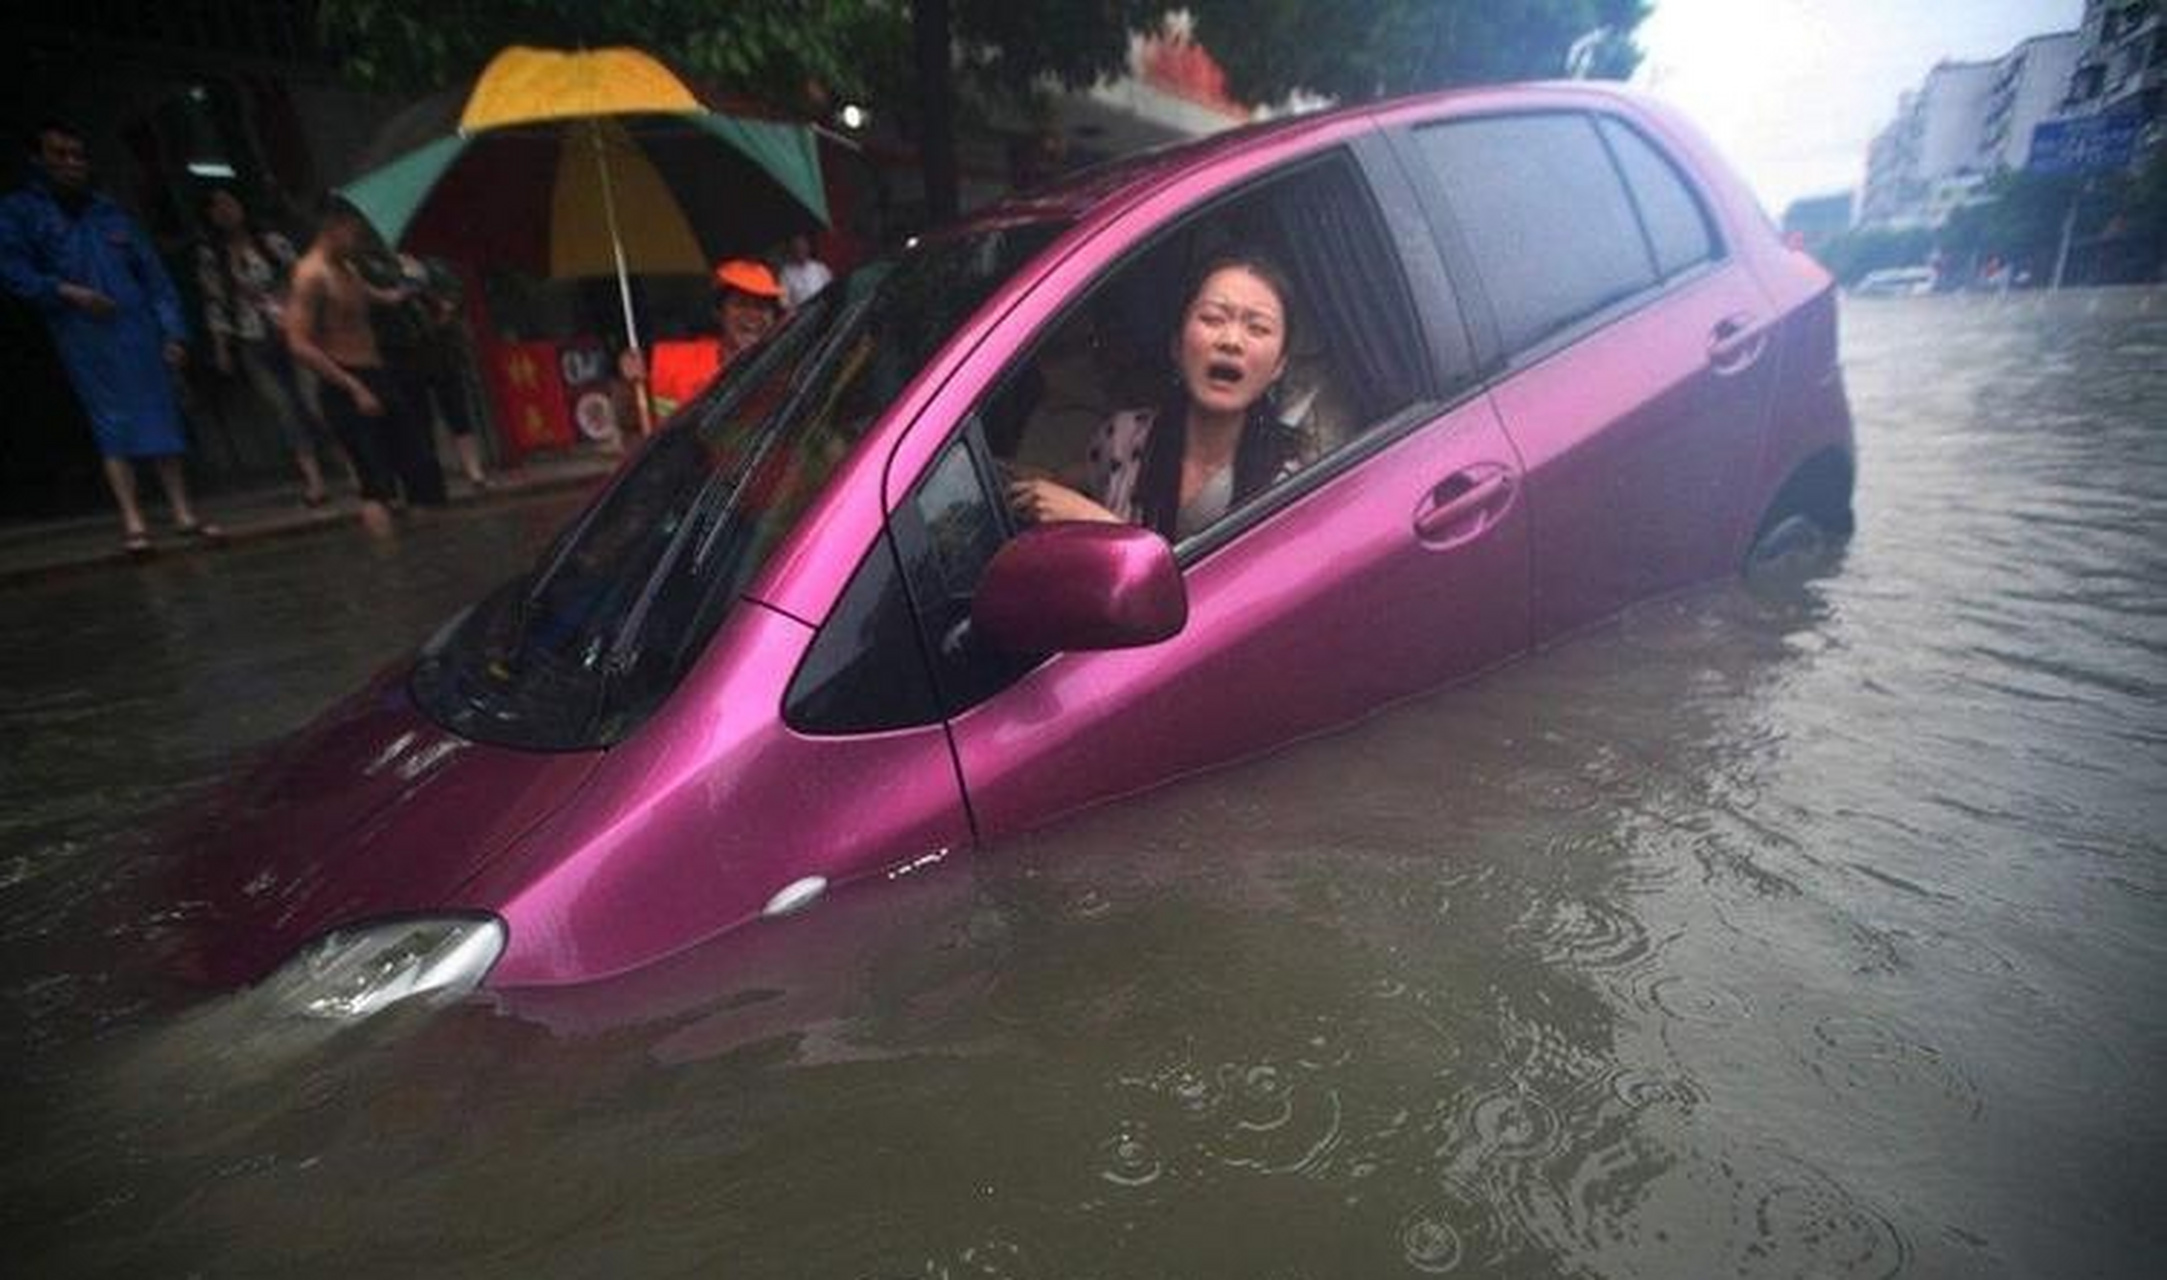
(209, 535)
(138, 546)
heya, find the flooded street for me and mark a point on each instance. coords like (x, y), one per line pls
(1772, 931)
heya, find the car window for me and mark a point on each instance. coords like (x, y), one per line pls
(1677, 225)
(1544, 215)
(948, 533)
(580, 649)
(1101, 379)
(1353, 361)
(899, 649)
(864, 671)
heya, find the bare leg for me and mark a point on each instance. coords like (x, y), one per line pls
(312, 475)
(120, 478)
(176, 487)
(470, 458)
(376, 518)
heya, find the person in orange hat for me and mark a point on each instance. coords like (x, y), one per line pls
(747, 301)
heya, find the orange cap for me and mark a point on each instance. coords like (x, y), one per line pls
(747, 276)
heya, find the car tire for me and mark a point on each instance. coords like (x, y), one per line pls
(1792, 545)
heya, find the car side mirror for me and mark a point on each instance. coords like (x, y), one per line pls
(1080, 585)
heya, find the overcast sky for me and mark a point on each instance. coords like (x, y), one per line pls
(1793, 90)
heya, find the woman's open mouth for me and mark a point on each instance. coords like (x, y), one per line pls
(1223, 373)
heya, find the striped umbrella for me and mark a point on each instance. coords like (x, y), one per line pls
(595, 163)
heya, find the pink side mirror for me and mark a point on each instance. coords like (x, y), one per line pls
(1080, 585)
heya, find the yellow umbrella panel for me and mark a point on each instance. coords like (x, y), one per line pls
(522, 85)
(651, 225)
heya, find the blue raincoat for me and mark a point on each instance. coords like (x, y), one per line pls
(117, 362)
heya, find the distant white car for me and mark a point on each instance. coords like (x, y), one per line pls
(1895, 282)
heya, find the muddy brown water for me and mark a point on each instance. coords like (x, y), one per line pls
(1810, 929)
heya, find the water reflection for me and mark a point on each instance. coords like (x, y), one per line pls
(1812, 927)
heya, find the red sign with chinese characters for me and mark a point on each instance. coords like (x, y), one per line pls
(530, 394)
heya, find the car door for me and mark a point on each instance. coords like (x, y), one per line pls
(1632, 350)
(1387, 567)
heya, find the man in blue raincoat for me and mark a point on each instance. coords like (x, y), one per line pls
(91, 274)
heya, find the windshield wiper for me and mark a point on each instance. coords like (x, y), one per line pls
(706, 508)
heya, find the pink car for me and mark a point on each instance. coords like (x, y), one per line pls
(1190, 456)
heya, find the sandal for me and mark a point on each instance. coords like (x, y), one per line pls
(209, 535)
(138, 546)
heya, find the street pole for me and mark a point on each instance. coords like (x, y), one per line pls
(931, 39)
(2069, 230)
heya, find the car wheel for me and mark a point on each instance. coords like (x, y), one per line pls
(1791, 549)
(1807, 524)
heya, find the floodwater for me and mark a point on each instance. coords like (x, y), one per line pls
(1786, 930)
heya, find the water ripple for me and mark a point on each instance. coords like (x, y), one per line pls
(1804, 1224)
(1878, 1068)
(1586, 933)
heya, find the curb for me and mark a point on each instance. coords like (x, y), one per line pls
(101, 551)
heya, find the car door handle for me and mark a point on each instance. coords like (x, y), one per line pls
(1736, 343)
(1464, 505)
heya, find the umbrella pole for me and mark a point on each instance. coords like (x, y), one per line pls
(624, 280)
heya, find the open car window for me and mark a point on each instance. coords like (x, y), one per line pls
(580, 649)
(1354, 351)
(1354, 363)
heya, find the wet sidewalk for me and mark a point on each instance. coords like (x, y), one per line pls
(34, 550)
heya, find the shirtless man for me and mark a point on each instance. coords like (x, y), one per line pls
(328, 330)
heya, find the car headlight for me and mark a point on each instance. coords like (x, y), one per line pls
(354, 972)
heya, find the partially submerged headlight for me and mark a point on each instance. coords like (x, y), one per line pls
(354, 972)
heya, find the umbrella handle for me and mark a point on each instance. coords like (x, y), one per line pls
(624, 282)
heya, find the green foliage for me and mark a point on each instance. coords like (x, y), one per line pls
(2116, 232)
(789, 50)
(807, 55)
(1361, 49)
(767, 48)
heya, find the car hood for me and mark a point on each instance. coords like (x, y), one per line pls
(372, 811)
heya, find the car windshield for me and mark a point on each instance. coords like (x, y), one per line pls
(577, 651)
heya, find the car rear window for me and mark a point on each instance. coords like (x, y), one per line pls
(1541, 207)
(1677, 225)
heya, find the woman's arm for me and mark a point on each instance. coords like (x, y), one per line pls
(1045, 501)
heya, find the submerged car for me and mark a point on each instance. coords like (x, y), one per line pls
(1542, 354)
(1895, 282)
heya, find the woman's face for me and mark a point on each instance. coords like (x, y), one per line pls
(1233, 341)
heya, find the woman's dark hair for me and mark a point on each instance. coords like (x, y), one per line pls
(1266, 446)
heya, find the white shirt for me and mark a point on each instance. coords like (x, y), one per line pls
(801, 280)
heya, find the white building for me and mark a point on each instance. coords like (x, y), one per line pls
(2030, 86)
(2122, 64)
(1967, 122)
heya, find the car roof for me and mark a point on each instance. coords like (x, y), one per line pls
(1125, 178)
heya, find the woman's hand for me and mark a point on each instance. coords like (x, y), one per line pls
(1044, 502)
